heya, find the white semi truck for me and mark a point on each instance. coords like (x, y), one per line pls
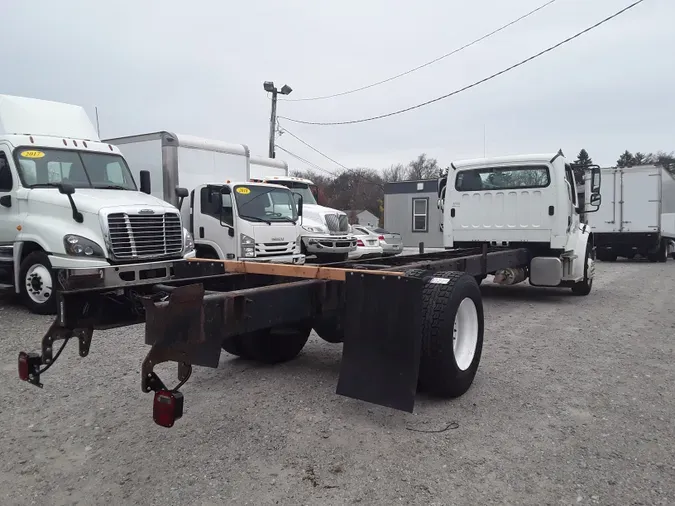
(69, 201)
(637, 215)
(325, 231)
(526, 201)
(229, 216)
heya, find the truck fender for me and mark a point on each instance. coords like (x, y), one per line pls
(585, 238)
(36, 243)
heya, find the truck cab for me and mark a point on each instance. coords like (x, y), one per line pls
(526, 201)
(248, 221)
(69, 201)
(325, 231)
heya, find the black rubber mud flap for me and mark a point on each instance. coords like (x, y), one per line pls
(178, 330)
(381, 355)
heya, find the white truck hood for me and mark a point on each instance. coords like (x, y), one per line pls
(92, 200)
(277, 232)
(317, 209)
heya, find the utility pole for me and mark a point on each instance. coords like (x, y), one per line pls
(270, 88)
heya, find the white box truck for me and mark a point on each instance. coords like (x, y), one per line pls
(637, 216)
(69, 201)
(325, 231)
(229, 216)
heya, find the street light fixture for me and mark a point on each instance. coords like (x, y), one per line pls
(270, 88)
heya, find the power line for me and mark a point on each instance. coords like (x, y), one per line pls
(347, 169)
(311, 165)
(435, 60)
(473, 85)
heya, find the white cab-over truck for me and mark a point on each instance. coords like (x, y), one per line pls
(325, 231)
(229, 216)
(637, 215)
(69, 201)
(525, 201)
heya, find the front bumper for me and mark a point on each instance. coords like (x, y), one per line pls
(297, 259)
(329, 243)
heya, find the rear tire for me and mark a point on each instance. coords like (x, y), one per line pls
(330, 329)
(452, 333)
(270, 346)
(36, 278)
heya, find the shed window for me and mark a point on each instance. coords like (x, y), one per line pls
(420, 215)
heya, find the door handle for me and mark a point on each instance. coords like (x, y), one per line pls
(452, 212)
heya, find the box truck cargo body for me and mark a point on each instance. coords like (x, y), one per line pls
(637, 215)
(229, 216)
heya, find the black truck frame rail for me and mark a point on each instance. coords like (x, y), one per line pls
(266, 312)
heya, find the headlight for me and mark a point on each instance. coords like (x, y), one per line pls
(78, 246)
(247, 246)
(316, 230)
(188, 241)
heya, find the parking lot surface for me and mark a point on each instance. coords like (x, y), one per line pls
(573, 403)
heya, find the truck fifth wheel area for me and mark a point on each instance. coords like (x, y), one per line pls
(407, 323)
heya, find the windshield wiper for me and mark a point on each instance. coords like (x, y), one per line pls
(45, 185)
(255, 218)
(111, 187)
(286, 218)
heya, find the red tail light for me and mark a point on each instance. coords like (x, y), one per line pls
(381, 238)
(359, 242)
(29, 365)
(167, 407)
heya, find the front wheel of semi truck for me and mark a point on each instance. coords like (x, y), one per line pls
(452, 332)
(270, 346)
(584, 287)
(37, 284)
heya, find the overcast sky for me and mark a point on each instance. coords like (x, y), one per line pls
(197, 67)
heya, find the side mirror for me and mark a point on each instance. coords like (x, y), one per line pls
(66, 189)
(595, 199)
(595, 180)
(298, 202)
(6, 201)
(145, 181)
(442, 182)
(182, 194)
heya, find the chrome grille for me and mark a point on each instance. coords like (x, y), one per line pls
(337, 222)
(134, 236)
(271, 249)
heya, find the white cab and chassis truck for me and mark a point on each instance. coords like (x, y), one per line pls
(228, 216)
(325, 231)
(408, 323)
(529, 202)
(637, 215)
(69, 201)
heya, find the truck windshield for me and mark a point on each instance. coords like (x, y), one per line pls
(301, 188)
(48, 166)
(503, 178)
(262, 203)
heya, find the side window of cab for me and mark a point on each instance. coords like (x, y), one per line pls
(6, 180)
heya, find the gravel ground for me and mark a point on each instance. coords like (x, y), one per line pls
(573, 404)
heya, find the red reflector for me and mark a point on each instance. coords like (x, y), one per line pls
(64, 142)
(359, 242)
(29, 364)
(31, 140)
(110, 146)
(85, 143)
(167, 407)
(75, 142)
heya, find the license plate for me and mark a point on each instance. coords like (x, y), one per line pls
(371, 242)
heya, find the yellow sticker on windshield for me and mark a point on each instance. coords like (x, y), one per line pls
(32, 154)
(243, 190)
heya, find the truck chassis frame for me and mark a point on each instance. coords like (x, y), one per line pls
(378, 305)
